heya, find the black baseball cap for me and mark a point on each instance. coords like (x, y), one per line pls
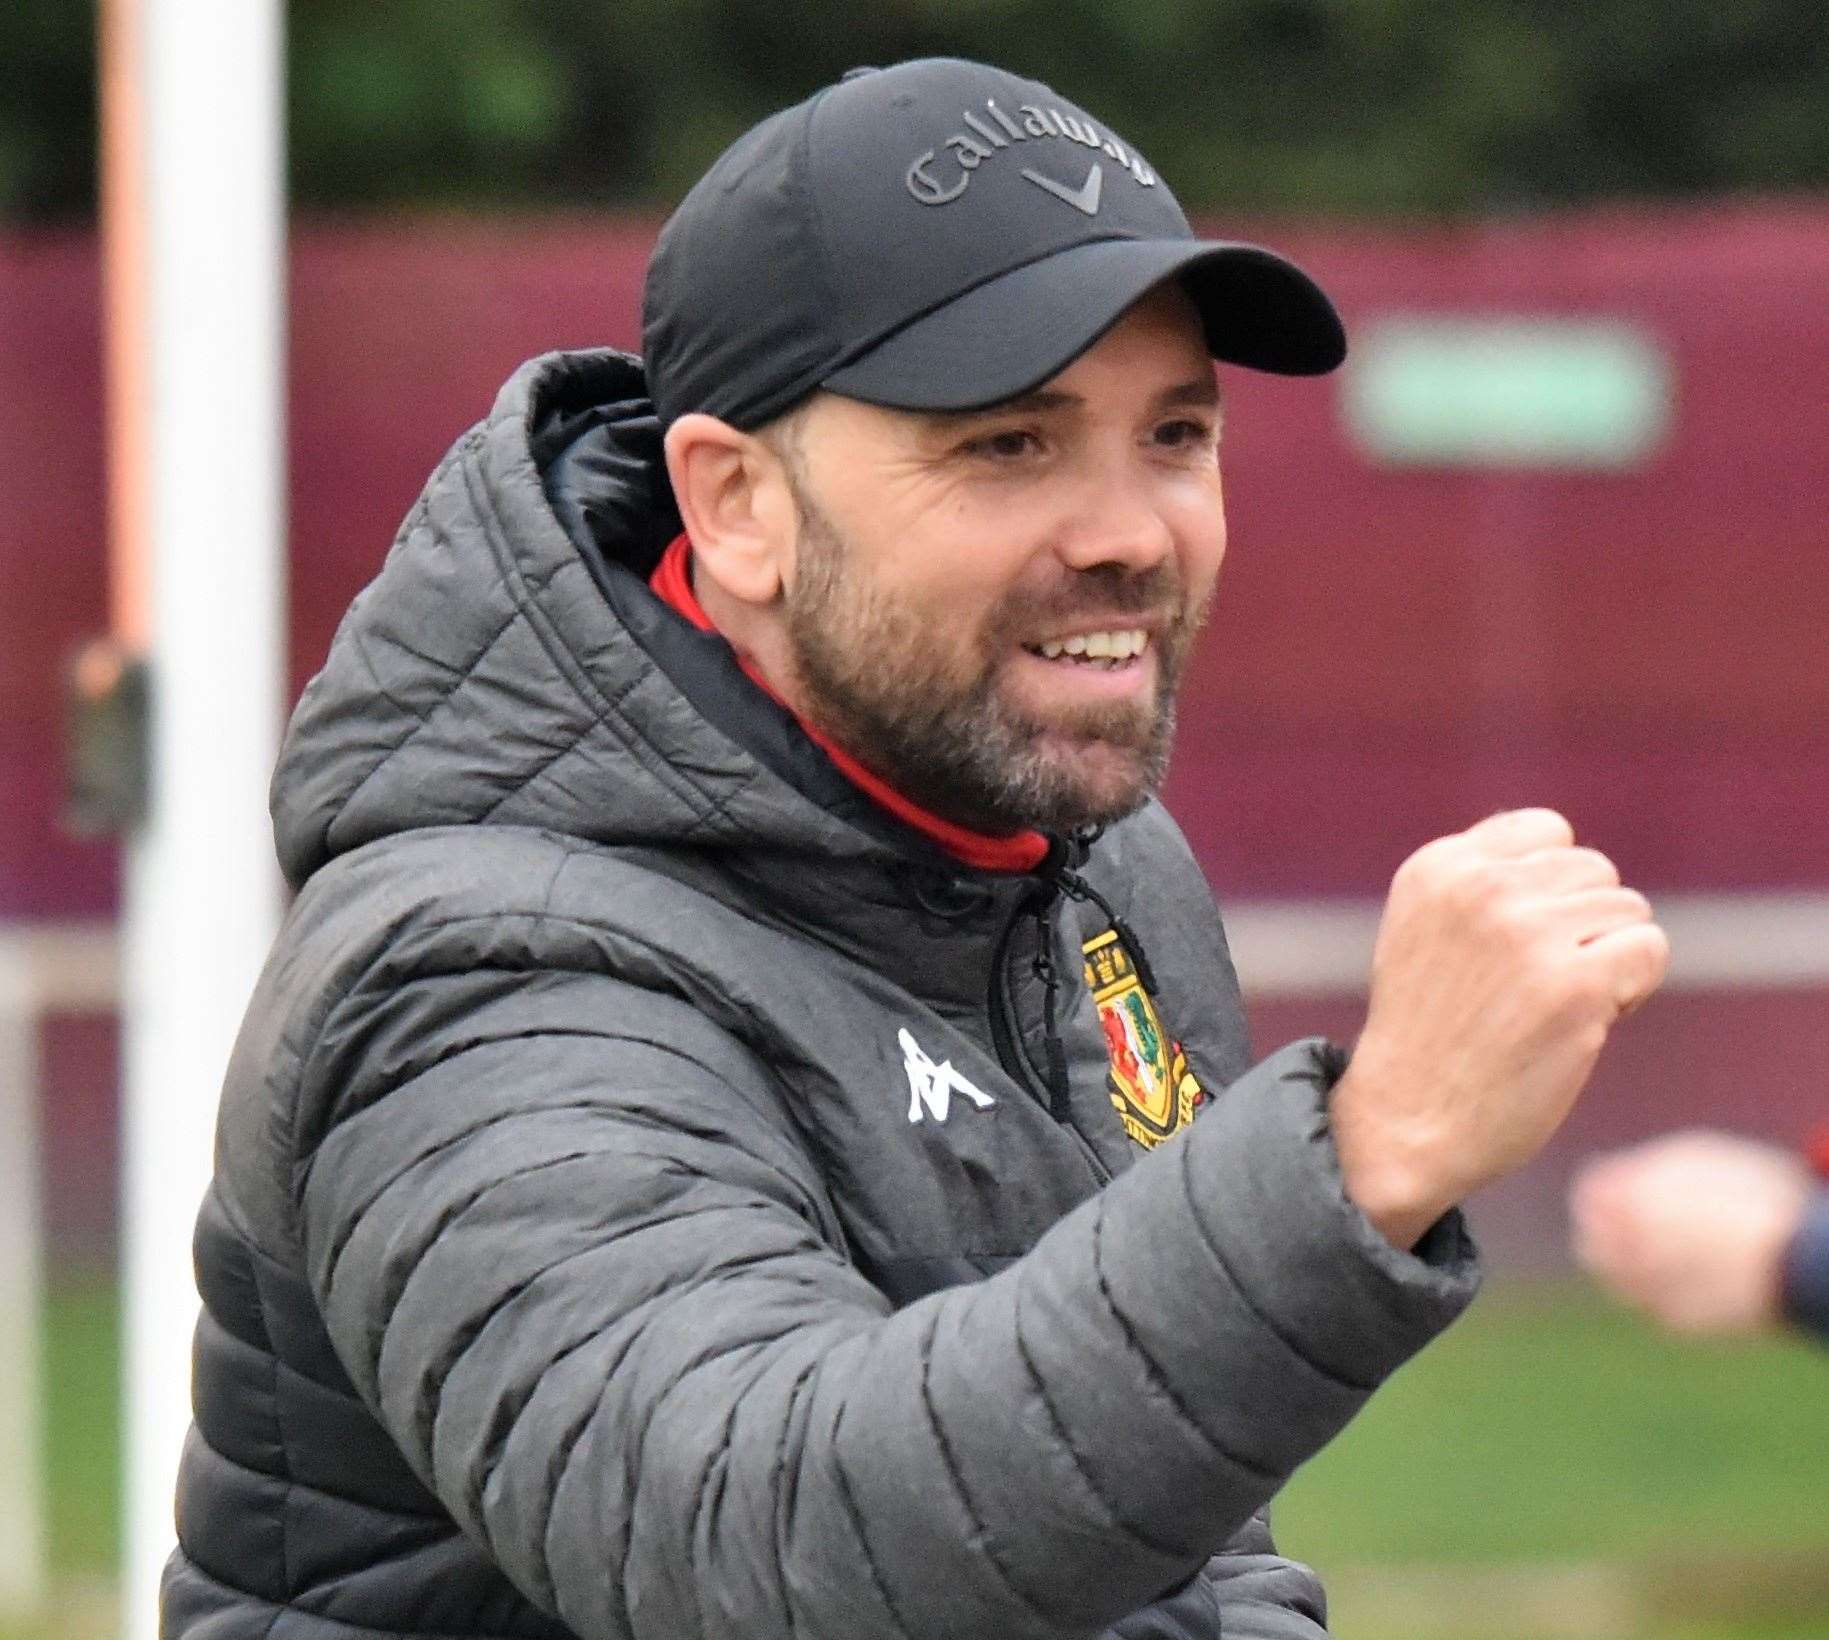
(938, 235)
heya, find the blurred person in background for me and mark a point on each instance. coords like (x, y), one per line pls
(714, 1149)
(1708, 1232)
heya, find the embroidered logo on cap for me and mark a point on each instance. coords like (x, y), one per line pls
(934, 180)
(1084, 198)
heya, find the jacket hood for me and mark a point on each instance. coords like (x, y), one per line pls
(510, 666)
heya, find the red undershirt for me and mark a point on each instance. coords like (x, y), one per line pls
(1018, 851)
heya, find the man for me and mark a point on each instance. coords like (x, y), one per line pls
(714, 1149)
(1708, 1233)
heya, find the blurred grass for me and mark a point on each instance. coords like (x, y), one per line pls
(82, 1425)
(1553, 1466)
(1550, 1425)
(1552, 1469)
(82, 1461)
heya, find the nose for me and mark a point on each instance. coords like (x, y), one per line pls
(1116, 519)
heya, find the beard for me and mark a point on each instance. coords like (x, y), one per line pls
(922, 706)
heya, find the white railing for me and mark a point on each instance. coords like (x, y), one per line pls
(1718, 942)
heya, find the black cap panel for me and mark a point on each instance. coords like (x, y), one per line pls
(736, 306)
(945, 174)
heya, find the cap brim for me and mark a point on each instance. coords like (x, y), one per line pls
(1015, 331)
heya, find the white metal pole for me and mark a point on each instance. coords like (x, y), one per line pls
(202, 894)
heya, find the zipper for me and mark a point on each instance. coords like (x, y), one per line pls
(1076, 888)
(999, 1004)
(1052, 1091)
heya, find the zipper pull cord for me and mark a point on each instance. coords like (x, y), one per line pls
(1059, 1089)
(1076, 887)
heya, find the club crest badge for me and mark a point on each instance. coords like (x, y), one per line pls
(1155, 1092)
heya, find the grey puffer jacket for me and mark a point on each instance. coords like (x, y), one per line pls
(657, 1195)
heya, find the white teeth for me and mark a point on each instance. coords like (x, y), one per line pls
(1114, 646)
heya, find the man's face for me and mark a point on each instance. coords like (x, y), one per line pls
(991, 609)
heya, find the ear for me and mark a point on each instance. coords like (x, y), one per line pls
(736, 503)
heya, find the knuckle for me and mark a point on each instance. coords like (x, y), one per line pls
(1509, 922)
(1599, 865)
(1549, 823)
(1636, 903)
(1653, 953)
(1428, 861)
(1476, 886)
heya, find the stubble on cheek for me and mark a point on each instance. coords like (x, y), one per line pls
(891, 681)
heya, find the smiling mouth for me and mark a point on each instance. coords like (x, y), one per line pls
(1105, 650)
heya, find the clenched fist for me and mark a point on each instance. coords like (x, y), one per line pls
(1693, 1227)
(1503, 958)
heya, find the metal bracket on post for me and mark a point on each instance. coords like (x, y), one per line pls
(106, 715)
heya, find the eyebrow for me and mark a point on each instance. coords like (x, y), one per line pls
(1203, 395)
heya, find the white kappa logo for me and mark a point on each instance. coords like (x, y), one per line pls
(934, 1085)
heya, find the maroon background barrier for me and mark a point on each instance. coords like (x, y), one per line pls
(1398, 652)
(1395, 651)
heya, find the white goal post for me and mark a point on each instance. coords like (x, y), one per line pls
(194, 233)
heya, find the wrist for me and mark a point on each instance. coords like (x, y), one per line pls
(1387, 1174)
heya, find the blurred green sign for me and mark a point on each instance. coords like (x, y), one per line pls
(1507, 392)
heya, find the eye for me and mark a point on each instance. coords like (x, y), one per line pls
(1187, 433)
(1006, 444)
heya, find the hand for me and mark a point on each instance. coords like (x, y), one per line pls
(1692, 1228)
(1504, 956)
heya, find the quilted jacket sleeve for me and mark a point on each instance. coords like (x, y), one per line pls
(589, 1282)
(1261, 1595)
(1245, 1592)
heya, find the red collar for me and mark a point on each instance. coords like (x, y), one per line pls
(1017, 851)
